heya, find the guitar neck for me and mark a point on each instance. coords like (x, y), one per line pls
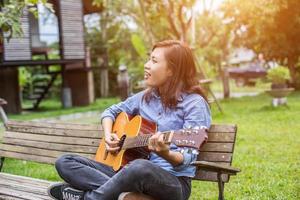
(143, 140)
(192, 138)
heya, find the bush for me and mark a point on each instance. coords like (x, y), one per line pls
(278, 75)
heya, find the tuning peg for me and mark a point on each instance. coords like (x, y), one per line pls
(192, 142)
(178, 141)
(195, 131)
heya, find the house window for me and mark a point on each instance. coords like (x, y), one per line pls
(44, 35)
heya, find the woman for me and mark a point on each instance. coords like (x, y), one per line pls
(174, 101)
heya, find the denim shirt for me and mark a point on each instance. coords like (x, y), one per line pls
(191, 111)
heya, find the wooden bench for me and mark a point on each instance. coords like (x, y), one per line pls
(44, 142)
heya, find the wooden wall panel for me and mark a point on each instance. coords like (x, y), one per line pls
(19, 48)
(71, 12)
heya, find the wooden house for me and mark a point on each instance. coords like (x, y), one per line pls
(72, 55)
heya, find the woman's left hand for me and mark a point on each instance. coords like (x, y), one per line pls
(157, 144)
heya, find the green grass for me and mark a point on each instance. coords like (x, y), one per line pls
(53, 108)
(267, 151)
(260, 86)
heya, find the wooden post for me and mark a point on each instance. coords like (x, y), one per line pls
(77, 78)
(221, 186)
(10, 89)
(225, 79)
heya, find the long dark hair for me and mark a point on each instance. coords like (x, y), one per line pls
(181, 62)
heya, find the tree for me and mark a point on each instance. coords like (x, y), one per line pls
(271, 27)
(111, 45)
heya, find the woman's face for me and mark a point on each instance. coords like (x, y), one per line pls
(156, 71)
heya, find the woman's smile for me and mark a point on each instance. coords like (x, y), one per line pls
(146, 75)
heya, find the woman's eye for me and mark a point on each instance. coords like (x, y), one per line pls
(154, 61)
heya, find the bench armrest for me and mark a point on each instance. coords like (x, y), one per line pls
(214, 167)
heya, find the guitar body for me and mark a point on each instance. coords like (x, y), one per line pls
(125, 126)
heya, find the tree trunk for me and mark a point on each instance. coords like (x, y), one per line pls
(225, 80)
(104, 90)
(295, 74)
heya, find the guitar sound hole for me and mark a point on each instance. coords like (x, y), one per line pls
(122, 139)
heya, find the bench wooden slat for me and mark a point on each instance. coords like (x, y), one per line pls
(33, 181)
(37, 151)
(56, 131)
(57, 125)
(53, 139)
(224, 128)
(217, 147)
(51, 146)
(22, 194)
(39, 187)
(215, 157)
(36, 158)
(34, 189)
(221, 137)
(4, 197)
(21, 156)
(209, 176)
(215, 167)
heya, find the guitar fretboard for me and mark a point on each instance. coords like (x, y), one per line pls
(141, 140)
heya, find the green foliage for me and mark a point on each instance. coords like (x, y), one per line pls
(268, 27)
(139, 45)
(159, 20)
(111, 45)
(11, 12)
(278, 75)
(24, 76)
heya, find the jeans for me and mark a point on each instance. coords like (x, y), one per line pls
(101, 182)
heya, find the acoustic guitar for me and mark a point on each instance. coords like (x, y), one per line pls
(134, 133)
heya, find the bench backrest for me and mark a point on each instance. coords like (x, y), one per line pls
(43, 142)
(218, 149)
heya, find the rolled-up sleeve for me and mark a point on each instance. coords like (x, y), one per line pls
(189, 156)
(130, 106)
(197, 114)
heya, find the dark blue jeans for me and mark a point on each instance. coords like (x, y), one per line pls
(101, 182)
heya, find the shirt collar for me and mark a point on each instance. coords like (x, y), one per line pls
(179, 99)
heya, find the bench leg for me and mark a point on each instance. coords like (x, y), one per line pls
(221, 186)
(1, 163)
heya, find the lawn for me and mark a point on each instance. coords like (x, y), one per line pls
(267, 150)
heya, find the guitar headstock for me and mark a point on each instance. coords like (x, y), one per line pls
(192, 138)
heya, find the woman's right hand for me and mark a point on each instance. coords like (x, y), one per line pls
(112, 142)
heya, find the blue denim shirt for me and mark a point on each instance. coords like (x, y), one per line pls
(192, 110)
